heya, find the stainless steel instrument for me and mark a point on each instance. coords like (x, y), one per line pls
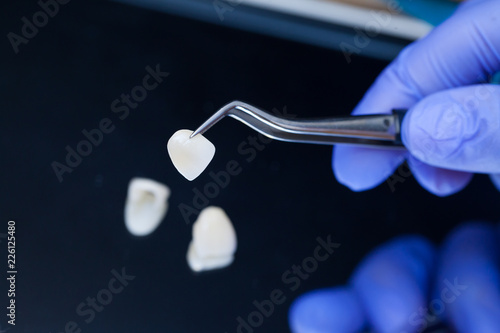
(380, 130)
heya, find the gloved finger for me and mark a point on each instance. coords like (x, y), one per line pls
(436, 62)
(393, 281)
(495, 178)
(468, 279)
(456, 129)
(361, 169)
(327, 310)
(441, 182)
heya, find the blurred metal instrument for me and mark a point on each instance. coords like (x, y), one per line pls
(380, 130)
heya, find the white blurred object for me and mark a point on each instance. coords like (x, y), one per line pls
(214, 241)
(146, 205)
(384, 21)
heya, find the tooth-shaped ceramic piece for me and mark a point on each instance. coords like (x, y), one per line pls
(190, 156)
(214, 241)
(146, 205)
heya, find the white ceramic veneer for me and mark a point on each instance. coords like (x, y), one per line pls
(190, 156)
(146, 205)
(214, 241)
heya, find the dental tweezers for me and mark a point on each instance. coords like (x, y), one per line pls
(382, 130)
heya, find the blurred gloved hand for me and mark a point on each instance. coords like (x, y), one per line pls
(452, 128)
(389, 291)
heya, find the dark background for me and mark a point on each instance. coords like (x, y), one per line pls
(70, 235)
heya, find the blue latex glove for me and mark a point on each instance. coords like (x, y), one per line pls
(470, 261)
(452, 128)
(389, 290)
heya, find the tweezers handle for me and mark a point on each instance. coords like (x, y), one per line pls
(379, 129)
(399, 114)
(382, 130)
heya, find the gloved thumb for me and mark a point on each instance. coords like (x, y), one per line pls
(457, 129)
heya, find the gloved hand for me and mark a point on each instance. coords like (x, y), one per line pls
(452, 128)
(407, 285)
